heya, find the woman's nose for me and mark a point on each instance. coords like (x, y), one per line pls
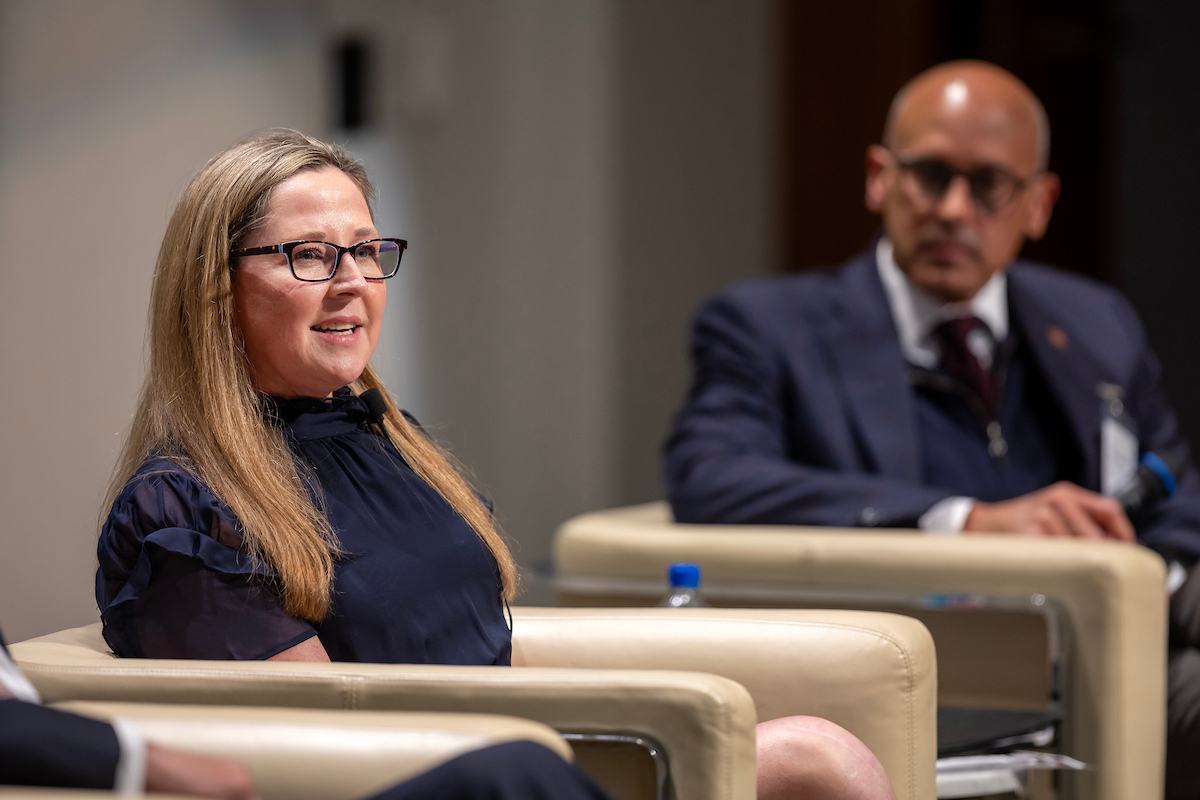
(346, 274)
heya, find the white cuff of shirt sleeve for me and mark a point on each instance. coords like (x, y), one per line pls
(1177, 575)
(946, 517)
(131, 765)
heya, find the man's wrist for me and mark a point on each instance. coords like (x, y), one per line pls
(946, 517)
(130, 777)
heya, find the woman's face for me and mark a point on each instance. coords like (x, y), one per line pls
(307, 339)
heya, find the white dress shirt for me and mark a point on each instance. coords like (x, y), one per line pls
(916, 314)
(130, 778)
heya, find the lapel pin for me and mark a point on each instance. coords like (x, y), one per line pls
(1112, 394)
(1057, 338)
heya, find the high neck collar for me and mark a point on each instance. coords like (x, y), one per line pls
(316, 417)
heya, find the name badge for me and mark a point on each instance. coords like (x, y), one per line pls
(1118, 442)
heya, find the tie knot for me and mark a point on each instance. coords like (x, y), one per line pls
(956, 331)
(960, 360)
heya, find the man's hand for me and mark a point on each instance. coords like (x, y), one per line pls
(176, 772)
(1063, 509)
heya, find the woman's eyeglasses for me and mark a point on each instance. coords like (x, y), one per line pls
(376, 259)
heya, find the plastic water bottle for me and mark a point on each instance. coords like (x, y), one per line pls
(685, 586)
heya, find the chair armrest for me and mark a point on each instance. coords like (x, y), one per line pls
(1112, 597)
(321, 753)
(874, 674)
(51, 793)
(703, 723)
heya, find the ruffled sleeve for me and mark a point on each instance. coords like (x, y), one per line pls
(174, 581)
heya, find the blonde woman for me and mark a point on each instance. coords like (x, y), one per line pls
(273, 503)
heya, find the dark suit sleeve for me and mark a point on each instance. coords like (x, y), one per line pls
(744, 451)
(1171, 527)
(43, 747)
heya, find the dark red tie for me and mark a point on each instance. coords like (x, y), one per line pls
(961, 364)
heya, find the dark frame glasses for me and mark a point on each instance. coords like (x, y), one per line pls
(377, 259)
(991, 187)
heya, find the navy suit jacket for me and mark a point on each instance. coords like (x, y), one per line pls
(41, 746)
(801, 411)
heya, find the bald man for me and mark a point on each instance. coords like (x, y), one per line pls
(935, 381)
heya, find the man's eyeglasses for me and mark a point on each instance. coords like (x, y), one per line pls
(991, 187)
(312, 261)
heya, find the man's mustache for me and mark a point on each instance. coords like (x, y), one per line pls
(934, 235)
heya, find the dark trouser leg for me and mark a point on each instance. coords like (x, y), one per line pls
(513, 771)
(1183, 693)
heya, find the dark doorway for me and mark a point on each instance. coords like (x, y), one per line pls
(842, 63)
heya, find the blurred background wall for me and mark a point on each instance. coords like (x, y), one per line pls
(574, 176)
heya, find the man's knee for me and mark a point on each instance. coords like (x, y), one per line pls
(511, 771)
(522, 756)
(1183, 693)
(1183, 724)
(513, 767)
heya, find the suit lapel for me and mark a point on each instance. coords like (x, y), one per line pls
(1073, 377)
(860, 337)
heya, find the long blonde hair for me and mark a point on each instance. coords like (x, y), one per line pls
(199, 408)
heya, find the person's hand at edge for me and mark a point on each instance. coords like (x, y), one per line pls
(172, 771)
(1060, 510)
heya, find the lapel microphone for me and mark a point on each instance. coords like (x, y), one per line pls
(376, 405)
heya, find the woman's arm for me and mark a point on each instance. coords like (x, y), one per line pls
(309, 650)
(174, 582)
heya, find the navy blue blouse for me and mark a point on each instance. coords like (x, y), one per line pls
(415, 585)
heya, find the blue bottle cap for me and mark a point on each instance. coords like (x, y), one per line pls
(684, 575)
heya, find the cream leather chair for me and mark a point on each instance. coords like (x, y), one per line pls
(40, 793)
(617, 683)
(335, 755)
(1104, 603)
(45, 793)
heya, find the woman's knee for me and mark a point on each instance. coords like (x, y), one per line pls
(814, 758)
